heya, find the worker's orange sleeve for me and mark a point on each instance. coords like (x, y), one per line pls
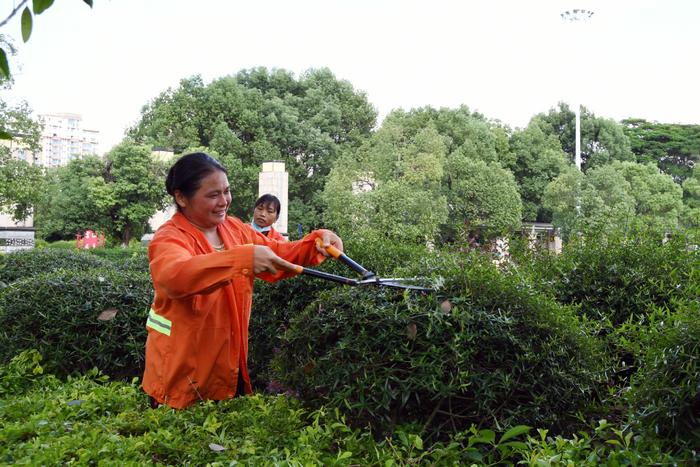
(180, 274)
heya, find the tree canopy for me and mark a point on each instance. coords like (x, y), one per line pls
(425, 173)
(602, 140)
(21, 182)
(117, 194)
(675, 148)
(259, 115)
(614, 196)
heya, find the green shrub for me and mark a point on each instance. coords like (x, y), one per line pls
(20, 373)
(618, 277)
(665, 392)
(603, 444)
(137, 262)
(26, 263)
(78, 319)
(117, 254)
(487, 349)
(61, 245)
(88, 420)
(275, 304)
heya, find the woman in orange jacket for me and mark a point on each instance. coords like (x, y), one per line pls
(267, 210)
(203, 263)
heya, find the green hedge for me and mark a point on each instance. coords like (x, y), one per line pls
(620, 276)
(275, 304)
(87, 420)
(665, 391)
(60, 314)
(26, 263)
(487, 349)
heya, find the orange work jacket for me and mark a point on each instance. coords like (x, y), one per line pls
(272, 234)
(198, 323)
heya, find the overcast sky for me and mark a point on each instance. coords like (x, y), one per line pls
(508, 59)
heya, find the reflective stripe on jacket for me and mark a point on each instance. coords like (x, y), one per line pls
(198, 324)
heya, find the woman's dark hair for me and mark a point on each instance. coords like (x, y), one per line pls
(268, 199)
(187, 173)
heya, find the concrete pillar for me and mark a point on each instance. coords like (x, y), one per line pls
(275, 180)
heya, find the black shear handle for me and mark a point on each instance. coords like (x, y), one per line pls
(324, 275)
(337, 254)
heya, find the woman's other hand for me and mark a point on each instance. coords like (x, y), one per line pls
(329, 238)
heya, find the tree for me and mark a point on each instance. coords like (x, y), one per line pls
(425, 173)
(463, 131)
(614, 196)
(27, 24)
(66, 207)
(130, 190)
(674, 148)
(658, 199)
(118, 195)
(20, 186)
(482, 196)
(602, 140)
(259, 115)
(538, 160)
(390, 186)
(691, 199)
(20, 180)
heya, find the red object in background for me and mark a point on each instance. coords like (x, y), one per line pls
(90, 240)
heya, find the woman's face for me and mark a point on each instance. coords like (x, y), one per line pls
(207, 207)
(265, 214)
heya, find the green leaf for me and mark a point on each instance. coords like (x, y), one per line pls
(5, 135)
(89, 2)
(514, 444)
(418, 442)
(26, 24)
(4, 66)
(515, 431)
(40, 6)
(483, 437)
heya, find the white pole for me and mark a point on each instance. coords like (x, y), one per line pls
(577, 159)
(577, 16)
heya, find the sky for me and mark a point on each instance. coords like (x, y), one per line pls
(507, 59)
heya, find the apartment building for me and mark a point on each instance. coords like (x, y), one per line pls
(65, 139)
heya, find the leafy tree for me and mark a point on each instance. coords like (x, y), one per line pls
(259, 115)
(482, 195)
(20, 185)
(118, 195)
(675, 148)
(538, 159)
(602, 140)
(658, 200)
(691, 199)
(20, 180)
(130, 190)
(17, 122)
(468, 133)
(421, 169)
(613, 196)
(66, 206)
(27, 24)
(390, 186)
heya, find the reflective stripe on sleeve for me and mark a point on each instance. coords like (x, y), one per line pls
(158, 323)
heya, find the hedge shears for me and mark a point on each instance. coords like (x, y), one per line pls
(368, 277)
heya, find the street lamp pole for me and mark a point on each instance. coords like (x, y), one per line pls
(577, 16)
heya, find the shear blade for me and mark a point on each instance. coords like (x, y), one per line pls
(397, 283)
